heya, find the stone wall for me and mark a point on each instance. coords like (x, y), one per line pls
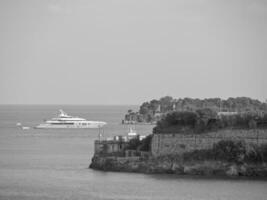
(164, 144)
(109, 147)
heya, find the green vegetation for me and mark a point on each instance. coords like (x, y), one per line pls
(141, 145)
(132, 116)
(205, 120)
(230, 151)
(152, 111)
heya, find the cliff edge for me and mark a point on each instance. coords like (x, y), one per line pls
(167, 165)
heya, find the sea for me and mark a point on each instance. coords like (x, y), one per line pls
(53, 164)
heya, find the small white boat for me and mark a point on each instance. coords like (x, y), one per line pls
(132, 133)
(18, 124)
(25, 128)
(66, 121)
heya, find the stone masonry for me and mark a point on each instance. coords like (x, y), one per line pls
(164, 144)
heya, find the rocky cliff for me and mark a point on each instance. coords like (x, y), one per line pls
(177, 166)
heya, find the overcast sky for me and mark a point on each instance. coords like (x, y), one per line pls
(130, 51)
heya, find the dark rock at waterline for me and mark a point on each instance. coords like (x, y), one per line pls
(167, 166)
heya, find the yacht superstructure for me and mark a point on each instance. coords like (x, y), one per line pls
(66, 121)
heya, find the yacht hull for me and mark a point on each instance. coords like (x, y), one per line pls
(52, 126)
(66, 121)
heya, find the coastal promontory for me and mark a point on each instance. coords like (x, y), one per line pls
(203, 141)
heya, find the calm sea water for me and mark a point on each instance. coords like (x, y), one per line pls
(53, 164)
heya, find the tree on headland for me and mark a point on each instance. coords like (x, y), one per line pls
(141, 145)
(205, 120)
(155, 109)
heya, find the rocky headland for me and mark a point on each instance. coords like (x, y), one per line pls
(167, 165)
(200, 141)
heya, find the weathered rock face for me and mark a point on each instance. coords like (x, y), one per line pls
(118, 164)
(166, 165)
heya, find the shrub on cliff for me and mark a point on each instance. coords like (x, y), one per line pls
(142, 145)
(206, 113)
(225, 150)
(256, 154)
(145, 143)
(153, 110)
(242, 120)
(198, 155)
(190, 122)
(206, 120)
(176, 121)
(263, 150)
(168, 104)
(134, 143)
(229, 150)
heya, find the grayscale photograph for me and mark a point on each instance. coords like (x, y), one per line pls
(133, 100)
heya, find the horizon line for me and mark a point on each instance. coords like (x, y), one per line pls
(65, 104)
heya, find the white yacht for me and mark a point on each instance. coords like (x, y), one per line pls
(66, 121)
